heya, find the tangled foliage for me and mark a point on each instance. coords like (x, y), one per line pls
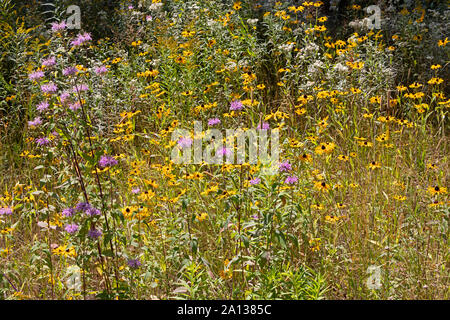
(93, 206)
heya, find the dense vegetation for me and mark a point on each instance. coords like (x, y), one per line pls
(92, 205)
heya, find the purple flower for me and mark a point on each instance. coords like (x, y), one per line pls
(80, 39)
(213, 121)
(58, 26)
(264, 126)
(236, 105)
(79, 88)
(94, 233)
(7, 211)
(68, 212)
(255, 181)
(100, 70)
(136, 190)
(70, 70)
(71, 228)
(285, 166)
(184, 142)
(75, 106)
(148, 18)
(107, 161)
(291, 180)
(76, 42)
(224, 152)
(82, 206)
(42, 141)
(36, 75)
(93, 212)
(36, 122)
(64, 96)
(86, 36)
(49, 88)
(49, 62)
(134, 263)
(42, 106)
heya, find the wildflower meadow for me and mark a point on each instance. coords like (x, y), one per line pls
(232, 150)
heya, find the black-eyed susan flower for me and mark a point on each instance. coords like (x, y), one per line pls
(374, 165)
(324, 148)
(437, 190)
(322, 186)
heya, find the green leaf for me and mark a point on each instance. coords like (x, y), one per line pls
(194, 245)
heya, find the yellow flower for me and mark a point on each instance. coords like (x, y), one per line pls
(64, 251)
(188, 34)
(187, 93)
(355, 65)
(6, 230)
(4, 252)
(19, 295)
(214, 188)
(436, 204)
(333, 219)
(211, 43)
(300, 111)
(261, 86)
(116, 60)
(128, 212)
(324, 148)
(365, 144)
(443, 43)
(314, 244)
(437, 190)
(340, 205)
(374, 165)
(146, 195)
(435, 81)
(306, 157)
(136, 43)
(382, 137)
(431, 166)
(180, 60)
(323, 123)
(375, 99)
(321, 186)
(201, 217)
